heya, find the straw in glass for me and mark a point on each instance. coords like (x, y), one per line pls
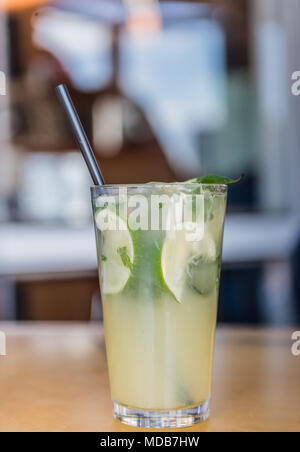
(79, 134)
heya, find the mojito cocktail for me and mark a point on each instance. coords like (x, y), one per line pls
(159, 251)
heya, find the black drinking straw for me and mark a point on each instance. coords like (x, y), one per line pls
(79, 134)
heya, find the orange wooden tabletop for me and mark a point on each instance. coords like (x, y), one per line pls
(54, 378)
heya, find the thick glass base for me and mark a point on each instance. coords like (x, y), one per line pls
(161, 419)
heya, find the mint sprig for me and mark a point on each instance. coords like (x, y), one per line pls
(122, 251)
(213, 179)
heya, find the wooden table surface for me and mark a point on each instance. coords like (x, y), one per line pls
(54, 378)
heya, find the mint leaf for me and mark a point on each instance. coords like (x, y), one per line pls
(213, 179)
(122, 251)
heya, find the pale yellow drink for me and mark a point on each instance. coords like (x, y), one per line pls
(159, 332)
(160, 355)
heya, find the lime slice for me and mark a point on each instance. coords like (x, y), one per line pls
(117, 250)
(177, 252)
(173, 258)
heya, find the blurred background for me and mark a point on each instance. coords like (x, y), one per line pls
(167, 91)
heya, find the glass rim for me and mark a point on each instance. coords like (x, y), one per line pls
(217, 188)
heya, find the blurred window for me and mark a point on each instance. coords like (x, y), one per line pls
(81, 45)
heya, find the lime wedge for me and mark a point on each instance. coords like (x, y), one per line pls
(177, 252)
(173, 258)
(118, 250)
